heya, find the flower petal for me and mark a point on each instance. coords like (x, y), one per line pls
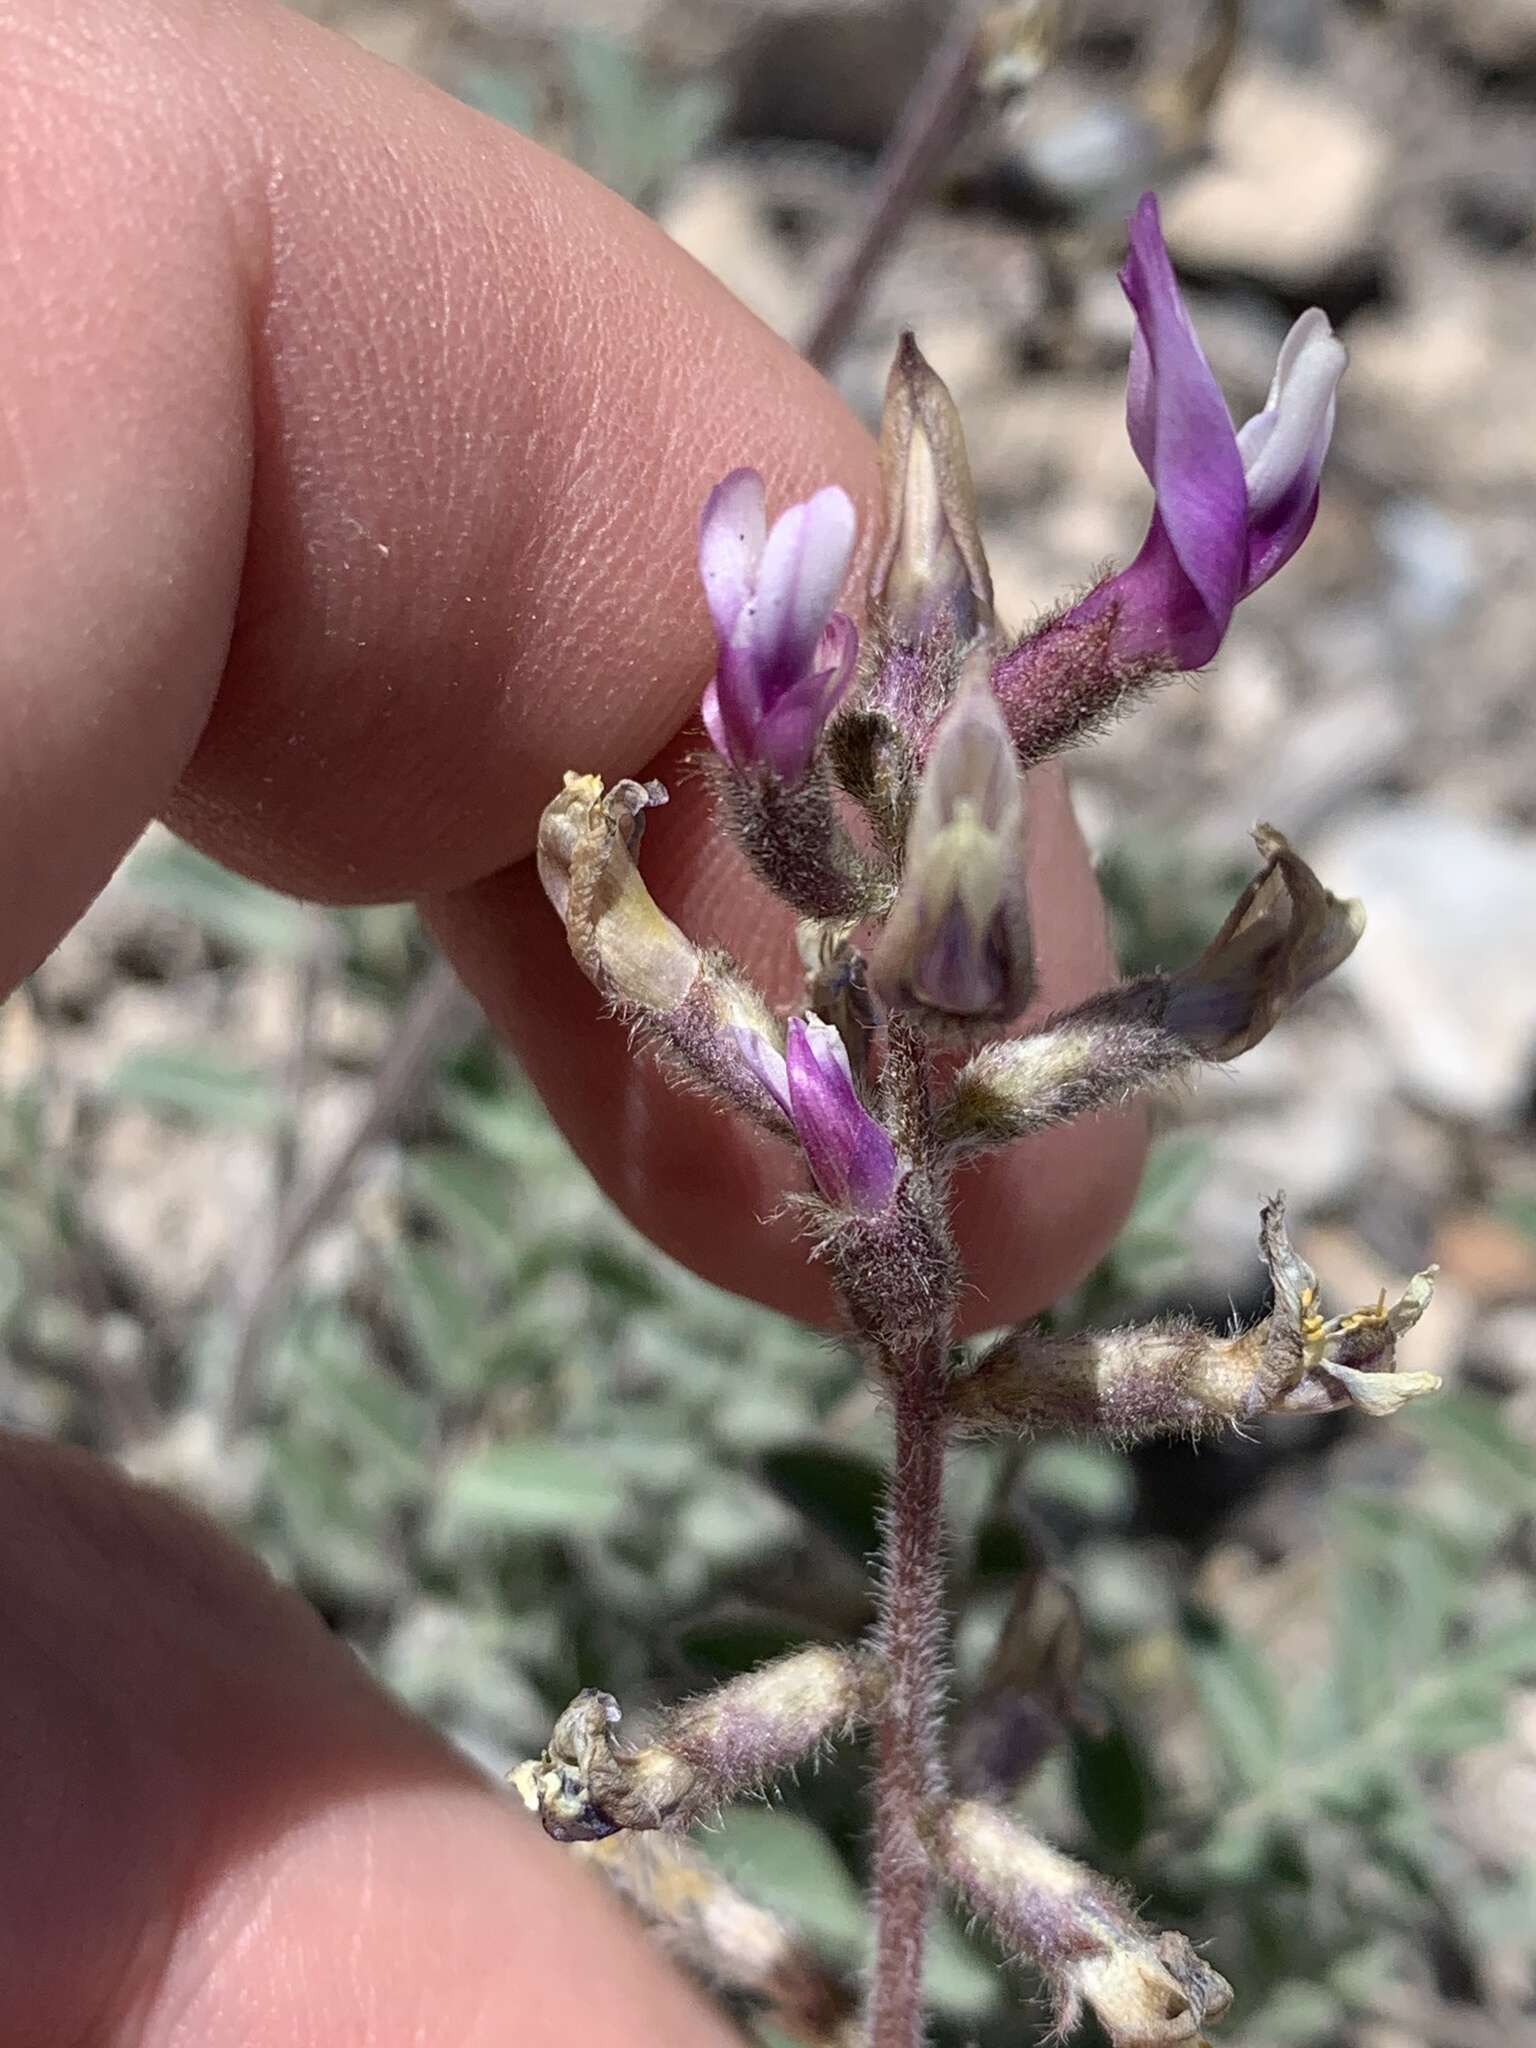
(801, 572)
(1284, 445)
(767, 1063)
(786, 737)
(1160, 616)
(732, 530)
(851, 1157)
(1180, 426)
(1290, 436)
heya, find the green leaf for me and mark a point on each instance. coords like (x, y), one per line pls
(443, 1318)
(1469, 1429)
(507, 1124)
(959, 1980)
(199, 1086)
(1174, 1172)
(724, 1645)
(342, 1387)
(335, 1535)
(838, 1491)
(1109, 1777)
(467, 1195)
(1363, 1662)
(1242, 1708)
(786, 1863)
(13, 1285)
(1092, 1479)
(502, 94)
(221, 904)
(530, 1488)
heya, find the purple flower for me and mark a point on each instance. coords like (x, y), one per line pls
(957, 942)
(786, 657)
(1232, 507)
(851, 1158)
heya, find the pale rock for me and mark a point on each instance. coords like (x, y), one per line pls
(716, 213)
(1506, 1344)
(1499, 34)
(1440, 382)
(1299, 1112)
(1291, 193)
(1446, 971)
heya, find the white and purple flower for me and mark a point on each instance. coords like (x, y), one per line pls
(851, 1157)
(1232, 506)
(786, 656)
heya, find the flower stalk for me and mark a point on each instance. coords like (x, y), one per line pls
(882, 796)
(911, 1639)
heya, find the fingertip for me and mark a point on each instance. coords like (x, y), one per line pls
(215, 1829)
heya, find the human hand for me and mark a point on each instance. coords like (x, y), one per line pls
(353, 452)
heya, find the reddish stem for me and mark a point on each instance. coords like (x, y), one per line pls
(910, 1773)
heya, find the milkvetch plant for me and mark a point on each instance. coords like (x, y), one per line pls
(877, 784)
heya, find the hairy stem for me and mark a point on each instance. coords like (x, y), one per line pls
(910, 1772)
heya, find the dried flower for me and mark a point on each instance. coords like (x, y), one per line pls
(1232, 508)
(621, 940)
(691, 1004)
(931, 574)
(1284, 934)
(1346, 1361)
(957, 943)
(705, 1751)
(786, 658)
(1148, 1990)
(1173, 1378)
(731, 1942)
(851, 1158)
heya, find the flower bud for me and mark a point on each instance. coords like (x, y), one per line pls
(957, 943)
(786, 658)
(931, 573)
(851, 1157)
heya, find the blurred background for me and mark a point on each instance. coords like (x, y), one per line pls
(281, 1228)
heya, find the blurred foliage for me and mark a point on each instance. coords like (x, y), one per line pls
(604, 108)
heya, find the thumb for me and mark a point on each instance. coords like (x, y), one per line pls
(216, 1830)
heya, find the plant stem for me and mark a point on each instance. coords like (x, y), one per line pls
(923, 136)
(909, 1770)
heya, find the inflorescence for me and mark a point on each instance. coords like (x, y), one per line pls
(878, 783)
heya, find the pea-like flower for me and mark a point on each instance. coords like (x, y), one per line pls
(851, 1157)
(786, 656)
(1232, 506)
(957, 943)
